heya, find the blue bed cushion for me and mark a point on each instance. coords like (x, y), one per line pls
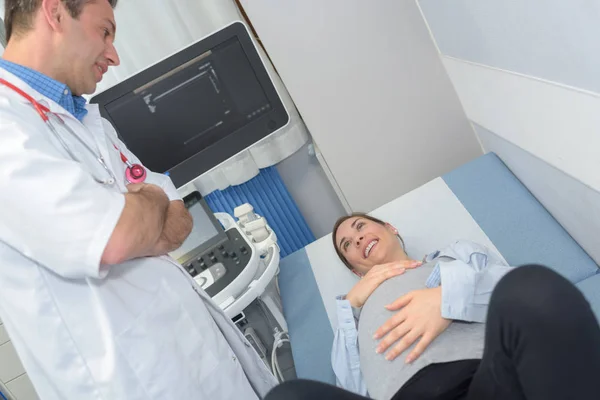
(515, 221)
(310, 332)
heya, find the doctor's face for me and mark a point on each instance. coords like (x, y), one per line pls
(87, 47)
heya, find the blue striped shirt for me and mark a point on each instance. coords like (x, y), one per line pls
(435, 279)
(52, 89)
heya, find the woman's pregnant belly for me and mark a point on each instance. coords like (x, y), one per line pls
(384, 378)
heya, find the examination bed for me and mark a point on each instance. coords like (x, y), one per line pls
(481, 201)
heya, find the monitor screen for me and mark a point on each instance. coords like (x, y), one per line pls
(205, 228)
(197, 108)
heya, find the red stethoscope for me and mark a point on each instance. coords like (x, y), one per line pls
(135, 173)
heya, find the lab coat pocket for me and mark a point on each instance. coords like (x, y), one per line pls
(165, 349)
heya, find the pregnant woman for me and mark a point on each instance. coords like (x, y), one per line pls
(453, 283)
(540, 340)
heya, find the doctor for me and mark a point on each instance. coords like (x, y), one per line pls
(92, 303)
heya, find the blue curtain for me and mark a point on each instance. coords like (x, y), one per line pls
(271, 199)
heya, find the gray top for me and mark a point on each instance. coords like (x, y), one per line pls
(460, 341)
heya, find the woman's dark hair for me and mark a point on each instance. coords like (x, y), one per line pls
(345, 218)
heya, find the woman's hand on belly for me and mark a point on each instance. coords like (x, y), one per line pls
(375, 277)
(420, 317)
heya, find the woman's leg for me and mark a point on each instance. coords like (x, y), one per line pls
(301, 389)
(442, 381)
(542, 341)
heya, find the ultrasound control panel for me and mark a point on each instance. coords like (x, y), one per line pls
(212, 256)
(218, 266)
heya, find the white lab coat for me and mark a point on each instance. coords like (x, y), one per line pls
(139, 330)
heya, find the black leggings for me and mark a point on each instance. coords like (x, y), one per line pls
(542, 342)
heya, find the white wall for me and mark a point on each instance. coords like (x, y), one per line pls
(369, 84)
(575, 205)
(527, 76)
(311, 190)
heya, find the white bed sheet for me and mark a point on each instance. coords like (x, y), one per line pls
(428, 218)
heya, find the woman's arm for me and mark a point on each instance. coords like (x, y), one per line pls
(359, 294)
(345, 359)
(467, 281)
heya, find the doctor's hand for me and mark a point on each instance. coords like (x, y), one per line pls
(359, 294)
(135, 187)
(148, 188)
(420, 318)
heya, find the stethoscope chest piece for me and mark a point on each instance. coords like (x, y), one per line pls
(135, 173)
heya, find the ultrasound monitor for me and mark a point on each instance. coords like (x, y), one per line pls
(197, 108)
(206, 232)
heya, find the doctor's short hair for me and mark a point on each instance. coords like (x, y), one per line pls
(347, 217)
(18, 14)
